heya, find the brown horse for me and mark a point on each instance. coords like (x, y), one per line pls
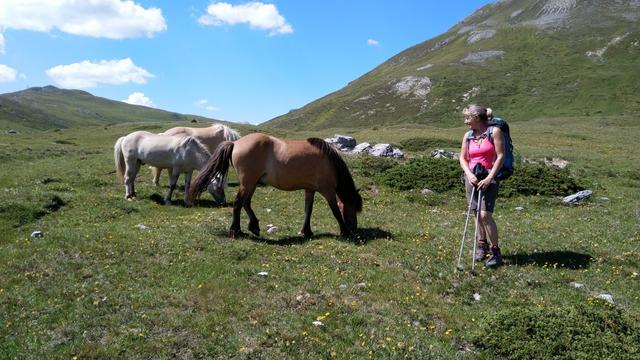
(311, 165)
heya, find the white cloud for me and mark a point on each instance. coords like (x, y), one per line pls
(204, 103)
(1, 44)
(88, 74)
(372, 42)
(138, 98)
(113, 19)
(258, 15)
(7, 74)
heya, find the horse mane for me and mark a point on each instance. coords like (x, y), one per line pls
(187, 139)
(228, 133)
(345, 187)
(216, 166)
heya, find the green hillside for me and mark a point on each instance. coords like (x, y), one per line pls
(524, 58)
(49, 107)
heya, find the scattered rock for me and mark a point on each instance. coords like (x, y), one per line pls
(576, 285)
(317, 323)
(342, 142)
(263, 273)
(597, 54)
(419, 87)
(481, 56)
(480, 35)
(342, 287)
(268, 210)
(397, 154)
(11, 131)
(426, 192)
(476, 297)
(348, 144)
(141, 227)
(381, 150)
(519, 208)
(577, 198)
(37, 234)
(466, 29)
(271, 229)
(606, 297)
(558, 162)
(471, 93)
(441, 153)
(424, 67)
(362, 148)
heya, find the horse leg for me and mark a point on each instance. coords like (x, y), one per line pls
(156, 175)
(308, 208)
(335, 209)
(254, 223)
(172, 185)
(234, 230)
(131, 170)
(187, 185)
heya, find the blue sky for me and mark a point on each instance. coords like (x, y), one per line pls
(232, 60)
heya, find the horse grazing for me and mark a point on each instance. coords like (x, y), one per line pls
(211, 137)
(312, 165)
(182, 154)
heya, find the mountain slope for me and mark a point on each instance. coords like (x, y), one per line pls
(49, 107)
(524, 58)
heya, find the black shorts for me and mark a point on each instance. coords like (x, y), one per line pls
(489, 195)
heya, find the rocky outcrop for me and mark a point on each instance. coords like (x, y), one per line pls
(481, 56)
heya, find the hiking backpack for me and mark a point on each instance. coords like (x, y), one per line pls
(507, 166)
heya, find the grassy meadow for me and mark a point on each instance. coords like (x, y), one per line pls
(137, 280)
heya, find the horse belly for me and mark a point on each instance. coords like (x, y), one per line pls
(291, 177)
(161, 159)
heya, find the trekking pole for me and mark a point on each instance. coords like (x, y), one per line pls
(464, 233)
(475, 236)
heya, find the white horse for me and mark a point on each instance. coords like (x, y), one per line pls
(182, 154)
(210, 136)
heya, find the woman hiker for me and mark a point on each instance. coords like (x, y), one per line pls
(477, 153)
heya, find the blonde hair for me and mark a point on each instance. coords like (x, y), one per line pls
(484, 114)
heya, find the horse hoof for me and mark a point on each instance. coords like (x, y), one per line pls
(306, 234)
(255, 231)
(234, 233)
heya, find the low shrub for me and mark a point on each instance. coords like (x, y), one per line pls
(443, 175)
(424, 144)
(594, 330)
(369, 166)
(438, 175)
(535, 179)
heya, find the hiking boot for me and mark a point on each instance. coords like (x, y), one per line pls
(482, 251)
(495, 259)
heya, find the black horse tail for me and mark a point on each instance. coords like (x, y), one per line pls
(216, 167)
(345, 187)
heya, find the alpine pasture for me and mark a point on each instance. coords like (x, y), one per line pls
(112, 278)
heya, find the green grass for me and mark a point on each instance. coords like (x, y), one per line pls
(98, 286)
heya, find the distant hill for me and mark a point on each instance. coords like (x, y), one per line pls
(524, 58)
(49, 107)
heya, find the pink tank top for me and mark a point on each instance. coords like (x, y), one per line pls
(482, 151)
